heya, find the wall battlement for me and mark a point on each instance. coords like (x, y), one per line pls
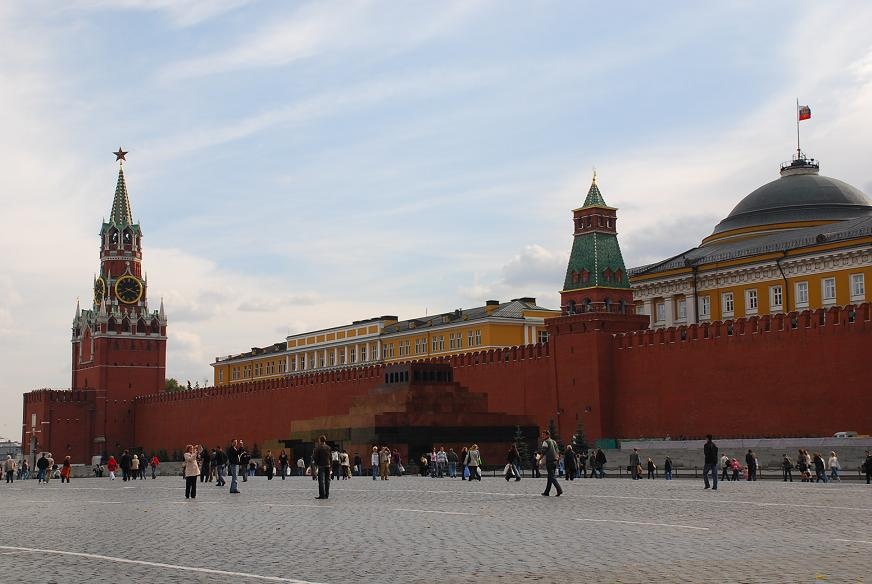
(57, 395)
(834, 320)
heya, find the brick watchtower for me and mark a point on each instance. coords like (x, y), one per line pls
(596, 279)
(118, 346)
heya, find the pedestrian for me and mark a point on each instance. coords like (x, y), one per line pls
(751, 463)
(550, 453)
(570, 465)
(66, 470)
(600, 461)
(244, 460)
(787, 468)
(154, 463)
(464, 470)
(736, 467)
(725, 465)
(268, 465)
(112, 466)
(25, 470)
(473, 463)
(384, 459)
(221, 466)
(323, 460)
(192, 469)
(134, 468)
(710, 451)
(125, 464)
(345, 465)
(358, 465)
(434, 463)
(820, 471)
(833, 463)
(667, 469)
(142, 465)
(233, 461)
(283, 463)
(442, 462)
(635, 465)
(452, 463)
(9, 467)
(513, 458)
(301, 466)
(335, 464)
(652, 468)
(867, 467)
(374, 461)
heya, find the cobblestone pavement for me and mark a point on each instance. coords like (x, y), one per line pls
(414, 529)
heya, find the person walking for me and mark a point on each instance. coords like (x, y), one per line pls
(374, 462)
(301, 466)
(725, 465)
(134, 468)
(268, 465)
(635, 465)
(323, 460)
(710, 451)
(570, 464)
(66, 470)
(233, 461)
(283, 463)
(221, 465)
(358, 465)
(244, 459)
(667, 469)
(751, 463)
(112, 466)
(652, 468)
(345, 465)
(192, 470)
(867, 467)
(473, 463)
(9, 467)
(550, 453)
(600, 461)
(464, 470)
(452, 463)
(834, 465)
(125, 464)
(513, 458)
(820, 471)
(384, 460)
(154, 463)
(787, 468)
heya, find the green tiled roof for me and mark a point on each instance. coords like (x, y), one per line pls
(594, 197)
(121, 214)
(595, 253)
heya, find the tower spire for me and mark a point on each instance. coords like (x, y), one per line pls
(121, 213)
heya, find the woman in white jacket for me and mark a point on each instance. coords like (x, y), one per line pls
(192, 471)
(833, 463)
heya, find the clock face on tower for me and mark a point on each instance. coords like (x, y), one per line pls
(99, 289)
(128, 289)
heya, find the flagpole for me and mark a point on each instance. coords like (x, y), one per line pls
(798, 151)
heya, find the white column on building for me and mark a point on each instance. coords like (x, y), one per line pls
(648, 308)
(378, 350)
(669, 309)
(691, 309)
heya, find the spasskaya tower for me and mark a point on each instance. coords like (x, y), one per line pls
(118, 345)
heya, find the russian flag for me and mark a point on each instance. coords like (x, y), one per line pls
(804, 113)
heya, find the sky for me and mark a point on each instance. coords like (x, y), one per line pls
(298, 165)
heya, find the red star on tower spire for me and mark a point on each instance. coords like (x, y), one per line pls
(120, 155)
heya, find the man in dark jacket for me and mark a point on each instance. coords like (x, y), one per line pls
(751, 462)
(550, 452)
(244, 459)
(322, 457)
(220, 464)
(868, 466)
(124, 463)
(41, 465)
(233, 460)
(711, 463)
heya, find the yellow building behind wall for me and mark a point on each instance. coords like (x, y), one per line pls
(386, 339)
(801, 242)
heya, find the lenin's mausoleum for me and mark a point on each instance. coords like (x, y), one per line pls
(763, 330)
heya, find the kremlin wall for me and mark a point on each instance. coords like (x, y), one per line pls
(601, 365)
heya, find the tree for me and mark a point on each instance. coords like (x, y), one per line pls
(579, 440)
(552, 429)
(523, 447)
(189, 385)
(255, 451)
(172, 385)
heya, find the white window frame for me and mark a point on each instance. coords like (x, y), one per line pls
(728, 304)
(828, 300)
(705, 306)
(681, 308)
(752, 301)
(858, 293)
(660, 311)
(220, 376)
(776, 298)
(477, 337)
(543, 336)
(801, 289)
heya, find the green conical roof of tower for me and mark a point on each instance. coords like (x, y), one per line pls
(121, 214)
(594, 197)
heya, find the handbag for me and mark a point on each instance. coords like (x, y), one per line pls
(401, 468)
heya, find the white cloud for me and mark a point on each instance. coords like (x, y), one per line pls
(181, 13)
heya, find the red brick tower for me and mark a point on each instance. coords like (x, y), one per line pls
(118, 346)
